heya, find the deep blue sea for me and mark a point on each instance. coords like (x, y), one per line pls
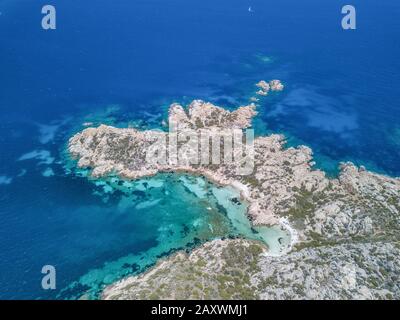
(123, 62)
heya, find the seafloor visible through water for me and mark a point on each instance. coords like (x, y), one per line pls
(166, 213)
(122, 63)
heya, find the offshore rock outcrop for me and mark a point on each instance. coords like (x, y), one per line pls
(265, 87)
(356, 214)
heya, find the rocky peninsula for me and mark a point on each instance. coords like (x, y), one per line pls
(345, 230)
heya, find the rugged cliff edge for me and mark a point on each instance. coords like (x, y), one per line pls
(346, 229)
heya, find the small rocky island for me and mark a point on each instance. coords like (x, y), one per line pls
(345, 230)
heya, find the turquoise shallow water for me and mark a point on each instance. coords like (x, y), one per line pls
(177, 212)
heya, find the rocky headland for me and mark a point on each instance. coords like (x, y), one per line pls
(345, 230)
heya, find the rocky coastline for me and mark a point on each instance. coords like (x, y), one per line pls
(359, 211)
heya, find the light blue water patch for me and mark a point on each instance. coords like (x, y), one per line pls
(5, 180)
(147, 204)
(43, 156)
(195, 185)
(48, 172)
